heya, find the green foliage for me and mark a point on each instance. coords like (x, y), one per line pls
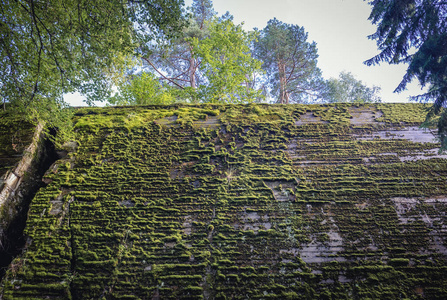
(173, 60)
(202, 11)
(209, 62)
(403, 26)
(49, 48)
(54, 113)
(226, 63)
(290, 62)
(142, 89)
(346, 88)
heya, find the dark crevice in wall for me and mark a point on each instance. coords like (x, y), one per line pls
(12, 239)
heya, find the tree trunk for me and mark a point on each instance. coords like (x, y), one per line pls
(192, 70)
(283, 94)
(191, 73)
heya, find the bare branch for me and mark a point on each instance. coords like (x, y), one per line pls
(161, 74)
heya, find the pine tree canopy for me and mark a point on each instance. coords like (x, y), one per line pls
(415, 32)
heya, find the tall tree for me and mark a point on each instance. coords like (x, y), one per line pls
(290, 61)
(202, 11)
(174, 60)
(415, 32)
(346, 88)
(51, 47)
(210, 62)
(227, 63)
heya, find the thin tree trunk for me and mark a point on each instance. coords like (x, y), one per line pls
(192, 69)
(283, 95)
(192, 73)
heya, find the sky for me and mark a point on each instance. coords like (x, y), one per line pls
(340, 29)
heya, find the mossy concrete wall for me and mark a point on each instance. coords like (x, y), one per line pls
(16, 135)
(11, 179)
(22, 152)
(240, 202)
(20, 149)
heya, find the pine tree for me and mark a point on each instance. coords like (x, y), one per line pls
(421, 25)
(210, 62)
(174, 60)
(290, 62)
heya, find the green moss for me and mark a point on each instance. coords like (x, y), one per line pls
(238, 201)
(414, 113)
(16, 135)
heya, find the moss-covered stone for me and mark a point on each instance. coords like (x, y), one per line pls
(241, 201)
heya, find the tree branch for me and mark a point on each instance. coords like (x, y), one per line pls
(61, 70)
(39, 61)
(161, 74)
